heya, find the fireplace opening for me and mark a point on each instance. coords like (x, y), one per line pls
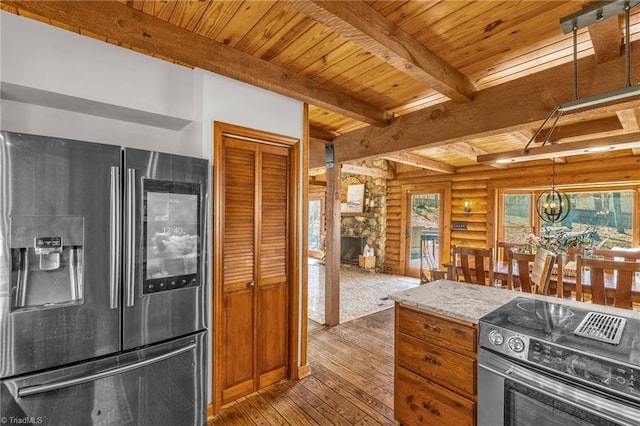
(351, 248)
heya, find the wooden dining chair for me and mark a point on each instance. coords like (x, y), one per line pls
(502, 255)
(502, 249)
(616, 254)
(429, 270)
(521, 260)
(566, 264)
(467, 260)
(621, 274)
(534, 281)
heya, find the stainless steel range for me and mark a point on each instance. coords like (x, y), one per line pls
(543, 363)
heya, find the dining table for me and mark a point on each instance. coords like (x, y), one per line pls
(562, 285)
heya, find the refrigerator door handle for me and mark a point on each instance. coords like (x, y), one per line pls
(23, 279)
(130, 254)
(39, 389)
(73, 273)
(115, 237)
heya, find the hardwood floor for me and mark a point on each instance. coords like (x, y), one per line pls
(351, 381)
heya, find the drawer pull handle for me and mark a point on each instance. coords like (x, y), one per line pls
(433, 411)
(433, 328)
(434, 361)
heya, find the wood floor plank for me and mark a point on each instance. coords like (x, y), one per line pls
(379, 411)
(346, 409)
(369, 421)
(234, 415)
(271, 415)
(351, 381)
(286, 407)
(313, 406)
(254, 414)
(365, 374)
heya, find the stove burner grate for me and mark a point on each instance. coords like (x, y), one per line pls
(601, 327)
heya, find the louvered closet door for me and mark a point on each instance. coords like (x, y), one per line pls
(273, 266)
(255, 262)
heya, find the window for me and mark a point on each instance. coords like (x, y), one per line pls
(608, 210)
(517, 218)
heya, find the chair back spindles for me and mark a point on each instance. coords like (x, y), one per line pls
(616, 254)
(502, 249)
(481, 271)
(538, 280)
(623, 273)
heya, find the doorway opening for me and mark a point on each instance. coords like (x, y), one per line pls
(424, 223)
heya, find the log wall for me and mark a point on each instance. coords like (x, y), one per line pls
(479, 185)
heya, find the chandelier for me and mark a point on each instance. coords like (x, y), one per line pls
(552, 205)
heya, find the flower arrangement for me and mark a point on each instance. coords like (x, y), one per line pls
(560, 239)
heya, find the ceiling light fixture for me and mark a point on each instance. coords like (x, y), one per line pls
(572, 23)
(599, 149)
(553, 206)
(609, 143)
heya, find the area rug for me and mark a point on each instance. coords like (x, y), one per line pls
(361, 292)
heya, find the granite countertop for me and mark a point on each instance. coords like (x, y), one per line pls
(470, 302)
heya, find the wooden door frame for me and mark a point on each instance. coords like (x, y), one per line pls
(444, 189)
(295, 231)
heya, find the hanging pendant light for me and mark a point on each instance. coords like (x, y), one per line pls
(552, 205)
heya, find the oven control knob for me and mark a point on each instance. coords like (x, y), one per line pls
(516, 344)
(496, 337)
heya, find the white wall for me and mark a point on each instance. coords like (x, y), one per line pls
(39, 120)
(66, 85)
(234, 102)
(58, 83)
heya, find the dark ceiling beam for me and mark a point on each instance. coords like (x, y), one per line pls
(119, 22)
(321, 134)
(513, 106)
(373, 32)
(317, 157)
(630, 119)
(606, 36)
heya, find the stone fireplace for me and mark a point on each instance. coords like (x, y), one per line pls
(368, 227)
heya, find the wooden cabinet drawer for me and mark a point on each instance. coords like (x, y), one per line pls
(455, 371)
(445, 333)
(420, 402)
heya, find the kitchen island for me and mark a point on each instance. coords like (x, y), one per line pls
(436, 348)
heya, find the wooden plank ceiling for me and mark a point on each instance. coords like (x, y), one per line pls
(428, 83)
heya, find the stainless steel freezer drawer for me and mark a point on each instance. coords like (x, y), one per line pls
(158, 385)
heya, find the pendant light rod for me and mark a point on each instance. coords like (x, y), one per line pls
(583, 18)
(625, 92)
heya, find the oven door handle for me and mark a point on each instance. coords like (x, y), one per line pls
(570, 396)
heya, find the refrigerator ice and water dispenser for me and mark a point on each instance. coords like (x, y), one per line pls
(47, 261)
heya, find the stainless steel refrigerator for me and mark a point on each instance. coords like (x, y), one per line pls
(102, 284)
